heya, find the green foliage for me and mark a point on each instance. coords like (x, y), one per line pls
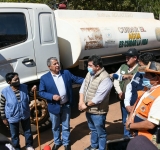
(118, 5)
(111, 5)
(150, 6)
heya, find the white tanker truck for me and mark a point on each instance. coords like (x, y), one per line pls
(31, 33)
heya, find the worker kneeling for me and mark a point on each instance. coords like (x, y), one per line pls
(145, 116)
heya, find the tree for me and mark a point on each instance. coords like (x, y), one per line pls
(118, 5)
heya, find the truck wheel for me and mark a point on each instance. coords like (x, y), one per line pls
(42, 127)
(42, 113)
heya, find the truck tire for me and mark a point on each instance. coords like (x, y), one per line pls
(42, 112)
(42, 127)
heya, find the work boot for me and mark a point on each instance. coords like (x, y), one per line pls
(90, 148)
(67, 147)
(56, 147)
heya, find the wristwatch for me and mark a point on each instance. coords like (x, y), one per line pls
(129, 126)
(86, 104)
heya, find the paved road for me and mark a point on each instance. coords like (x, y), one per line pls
(80, 137)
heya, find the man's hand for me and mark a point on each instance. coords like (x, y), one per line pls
(56, 97)
(152, 88)
(34, 88)
(127, 123)
(5, 121)
(127, 76)
(132, 132)
(121, 96)
(82, 106)
(111, 75)
(129, 108)
(129, 120)
(79, 105)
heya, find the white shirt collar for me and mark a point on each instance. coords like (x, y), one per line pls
(56, 75)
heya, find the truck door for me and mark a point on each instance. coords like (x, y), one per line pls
(45, 38)
(16, 45)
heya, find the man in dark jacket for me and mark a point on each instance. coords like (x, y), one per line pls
(56, 88)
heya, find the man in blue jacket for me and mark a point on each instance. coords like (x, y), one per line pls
(56, 88)
(136, 82)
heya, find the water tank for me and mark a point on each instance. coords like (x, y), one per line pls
(82, 33)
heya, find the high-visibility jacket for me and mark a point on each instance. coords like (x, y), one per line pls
(143, 110)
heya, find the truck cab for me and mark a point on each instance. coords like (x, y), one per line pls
(27, 39)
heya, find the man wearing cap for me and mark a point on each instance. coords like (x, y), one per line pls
(129, 68)
(145, 116)
(136, 82)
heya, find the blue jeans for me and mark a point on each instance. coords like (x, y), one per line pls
(124, 116)
(14, 129)
(62, 118)
(96, 124)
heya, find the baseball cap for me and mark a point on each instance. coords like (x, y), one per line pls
(131, 52)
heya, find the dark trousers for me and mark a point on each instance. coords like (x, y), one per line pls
(14, 129)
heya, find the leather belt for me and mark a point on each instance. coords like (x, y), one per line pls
(64, 104)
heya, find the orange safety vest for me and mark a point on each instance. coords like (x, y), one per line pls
(144, 108)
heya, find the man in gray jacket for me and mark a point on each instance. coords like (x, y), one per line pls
(94, 99)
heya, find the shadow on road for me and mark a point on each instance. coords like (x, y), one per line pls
(74, 110)
(45, 137)
(113, 97)
(79, 132)
(114, 130)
